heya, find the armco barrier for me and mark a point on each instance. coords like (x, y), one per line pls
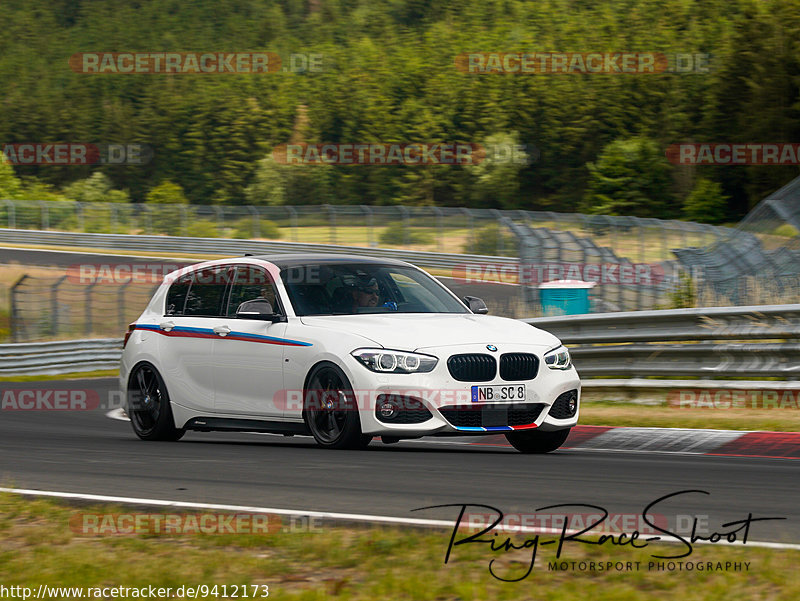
(759, 322)
(61, 357)
(224, 246)
(759, 342)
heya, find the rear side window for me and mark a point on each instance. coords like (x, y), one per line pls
(206, 292)
(176, 297)
(251, 282)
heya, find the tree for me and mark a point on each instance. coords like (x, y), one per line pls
(97, 192)
(10, 185)
(167, 192)
(630, 177)
(497, 175)
(95, 188)
(269, 185)
(706, 203)
(167, 216)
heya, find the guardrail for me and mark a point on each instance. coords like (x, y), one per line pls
(61, 357)
(226, 246)
(636, 343)
(761, 342)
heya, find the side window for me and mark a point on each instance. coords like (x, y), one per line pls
(250, 282)
(206, 291)
(176, 297)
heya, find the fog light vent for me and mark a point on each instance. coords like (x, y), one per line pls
(398, 409)
(565, 405)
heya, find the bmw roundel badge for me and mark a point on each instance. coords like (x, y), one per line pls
(491, 347)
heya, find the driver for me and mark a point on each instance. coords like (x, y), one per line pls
(365, 292)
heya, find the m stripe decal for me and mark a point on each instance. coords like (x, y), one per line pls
(187, 332)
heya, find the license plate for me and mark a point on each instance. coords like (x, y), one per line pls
(498, 394)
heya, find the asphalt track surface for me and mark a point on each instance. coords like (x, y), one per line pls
(86, 452)
(500, 298)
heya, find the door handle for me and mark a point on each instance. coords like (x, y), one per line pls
(166, 326)
(222, 330)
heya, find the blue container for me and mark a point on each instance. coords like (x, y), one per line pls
(565, 297)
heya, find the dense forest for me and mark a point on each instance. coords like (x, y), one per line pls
(388, 72)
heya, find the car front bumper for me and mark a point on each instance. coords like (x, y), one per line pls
(441, 394)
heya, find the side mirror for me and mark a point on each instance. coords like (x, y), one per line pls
(259, 309)
(476, 305)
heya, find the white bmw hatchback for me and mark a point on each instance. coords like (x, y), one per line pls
(344, 348)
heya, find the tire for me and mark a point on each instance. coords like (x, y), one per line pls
(534, 441)
(330, 409)
(148, 405)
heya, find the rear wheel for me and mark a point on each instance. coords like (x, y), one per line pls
(148, 405)
(537, 441)
(330, 410)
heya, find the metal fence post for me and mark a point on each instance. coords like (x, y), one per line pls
(642, 259)
(184, 220)
(368, 212)
(88, 301)
(256, 222)
(12, 214)
(121, 303)
(500, 242)
(54, 305)
(471, 233)
(220, 220)
(15, 320)
(45, 215)
(439, 227)
(331, 223)
(148, 219)
(406, 224)
(293, 222)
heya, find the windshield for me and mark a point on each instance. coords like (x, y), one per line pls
(355, 288)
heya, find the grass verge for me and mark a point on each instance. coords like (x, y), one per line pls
(610, 413)
(38, 546)
(83, 375)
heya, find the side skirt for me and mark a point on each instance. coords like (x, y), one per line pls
(224, 424)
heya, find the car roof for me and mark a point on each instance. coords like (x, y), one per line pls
(283, 261)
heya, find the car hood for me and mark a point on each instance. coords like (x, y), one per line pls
(417, 331)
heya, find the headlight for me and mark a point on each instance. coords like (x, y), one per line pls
(398, 362)
(558, 358)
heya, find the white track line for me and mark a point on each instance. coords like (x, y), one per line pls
(350, 517)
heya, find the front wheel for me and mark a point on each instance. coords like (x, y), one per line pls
(330, 410)
(537, 441)
(148, 405)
